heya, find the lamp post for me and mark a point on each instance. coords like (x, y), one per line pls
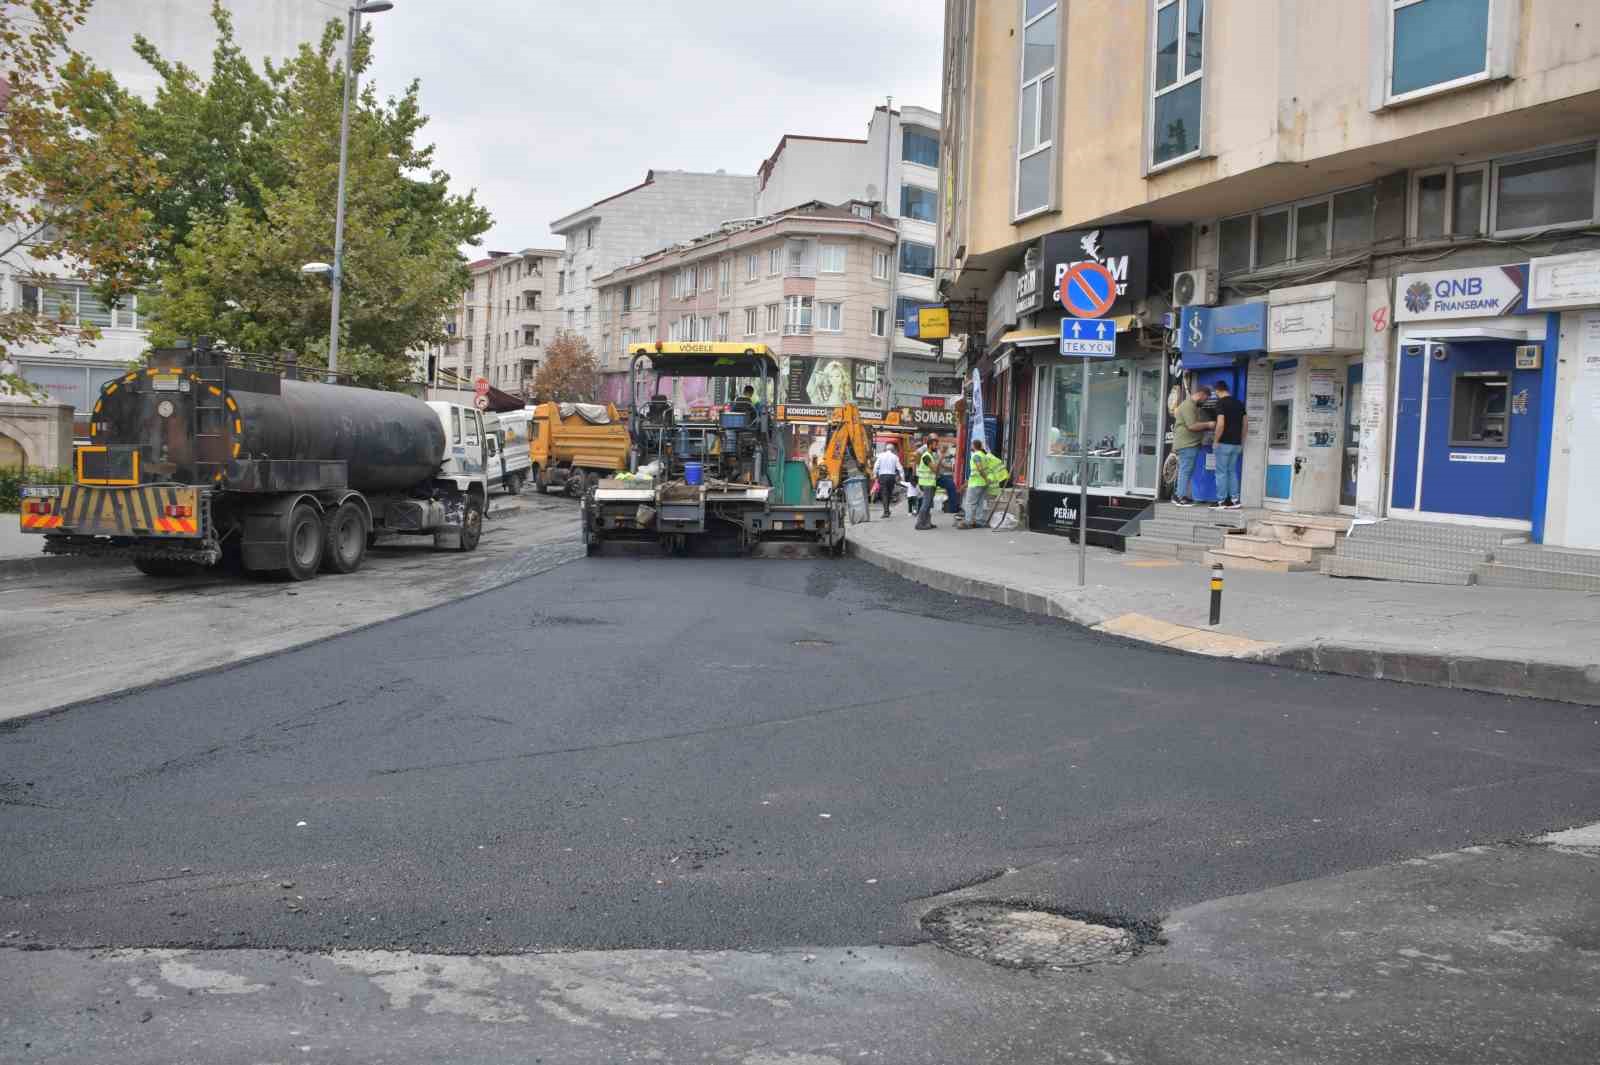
(352, 30)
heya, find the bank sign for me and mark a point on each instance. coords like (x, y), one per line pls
(1481, 292)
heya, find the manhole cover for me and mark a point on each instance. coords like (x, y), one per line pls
(1026, 939)
(813, 643)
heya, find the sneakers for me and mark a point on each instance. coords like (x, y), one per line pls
(1234, 504)
(1182, 501)
(1221, 504)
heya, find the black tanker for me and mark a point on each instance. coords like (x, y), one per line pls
(202, 455)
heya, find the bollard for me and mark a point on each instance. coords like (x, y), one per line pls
(1216, 592)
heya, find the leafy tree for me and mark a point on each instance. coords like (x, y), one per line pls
(569, 371)
(74, 179)
(236, 273)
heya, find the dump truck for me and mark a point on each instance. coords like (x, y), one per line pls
(576, 444)
(206, 456)
(728, 474)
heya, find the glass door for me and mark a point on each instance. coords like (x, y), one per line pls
(1145, 472)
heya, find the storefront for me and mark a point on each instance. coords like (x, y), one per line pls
(1312, 371)
(1475, 384)
(1217, 344)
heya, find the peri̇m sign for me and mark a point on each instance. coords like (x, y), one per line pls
(1480, 292)
(1123, 250)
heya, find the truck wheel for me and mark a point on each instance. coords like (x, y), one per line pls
(514, 485)
(538, 481)
(472, 524)
(575, 486)
(345, 534)
(305, 542)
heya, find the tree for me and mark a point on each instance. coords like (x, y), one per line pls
(569, 371)
(236, 276)
(73, 176)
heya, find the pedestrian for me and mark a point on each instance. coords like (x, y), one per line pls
(1188, 427)
(977, 484)
(927, 480)
(996, 475)
(1229, 447)
(889, 473)
(944, 470)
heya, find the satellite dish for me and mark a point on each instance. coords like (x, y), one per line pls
(872, 193)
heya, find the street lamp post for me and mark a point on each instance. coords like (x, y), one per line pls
(352, 30)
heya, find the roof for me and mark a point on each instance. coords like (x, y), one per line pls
(707, 359)
(572, 218)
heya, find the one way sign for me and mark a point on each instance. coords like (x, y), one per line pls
(1092, 338)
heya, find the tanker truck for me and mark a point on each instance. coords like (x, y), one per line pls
(204, 456)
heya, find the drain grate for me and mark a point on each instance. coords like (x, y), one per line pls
(1024, 938)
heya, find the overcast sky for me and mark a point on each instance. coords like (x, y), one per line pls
(547, 105)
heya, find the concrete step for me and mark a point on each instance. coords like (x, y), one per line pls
(1177, 530)
(1553, 559)
(1265, 548)
(1500, 576)
(1338, 523)
(1156, 547)
(1307, 535)
(1267, 565)
(1334, 566)
(1438, 534)
(1430, 556)
(1237, 519)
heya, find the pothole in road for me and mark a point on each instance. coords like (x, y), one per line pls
(1023, 938)
(813, 643)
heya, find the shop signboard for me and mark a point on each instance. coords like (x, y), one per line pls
(933, 323)
(927, 418)
(1123, 250)
(1557, 282)
(944, 386)
(1002, 309)
(1479, 292)
(1030, 292)
(1321, 318)
(1233, 330)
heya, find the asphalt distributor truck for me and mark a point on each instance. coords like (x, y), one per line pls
(205, 456)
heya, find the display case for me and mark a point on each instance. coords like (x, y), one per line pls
(1122, 393)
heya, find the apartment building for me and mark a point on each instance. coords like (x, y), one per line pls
(667, 206)
(896, 165)
(1378, 219)
(506, 316)
(813, 282)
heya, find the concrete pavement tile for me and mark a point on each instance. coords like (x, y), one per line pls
(1220, 644)
(1146, 628)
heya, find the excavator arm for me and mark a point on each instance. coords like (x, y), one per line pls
(847, 438)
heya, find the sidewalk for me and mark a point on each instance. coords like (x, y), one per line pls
(1533, 643)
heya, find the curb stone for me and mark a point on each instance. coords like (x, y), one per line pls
(1503, 676)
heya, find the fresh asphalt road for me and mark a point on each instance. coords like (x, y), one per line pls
(638, 751)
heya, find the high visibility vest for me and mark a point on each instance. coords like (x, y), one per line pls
(927, 470)
(978, 469)
(997, 474)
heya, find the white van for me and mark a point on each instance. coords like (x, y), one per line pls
(510, 458)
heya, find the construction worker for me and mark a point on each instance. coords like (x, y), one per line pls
(996, 474)
(977, 485)
(927, 481)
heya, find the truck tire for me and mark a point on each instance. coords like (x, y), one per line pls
(514, 485)
(344, 533)
(305, 543)
(472, 524)
(539, 482)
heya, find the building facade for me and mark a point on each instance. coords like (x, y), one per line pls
(1349, 243)
(896, 165)
(811, 282)
(505, 318)
(667, 206)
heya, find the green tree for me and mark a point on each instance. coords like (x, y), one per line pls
(75, 182)
(236, 273)
(568, 373)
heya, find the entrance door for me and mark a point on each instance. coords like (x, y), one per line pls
(1145, 474)
(1350, 471)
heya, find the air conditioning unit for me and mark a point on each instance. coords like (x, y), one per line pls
(1194, 288)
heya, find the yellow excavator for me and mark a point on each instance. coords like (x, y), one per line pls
(847, 446)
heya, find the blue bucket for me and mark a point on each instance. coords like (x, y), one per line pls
(692, 473)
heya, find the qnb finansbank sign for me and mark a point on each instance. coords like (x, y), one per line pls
(1480, 292)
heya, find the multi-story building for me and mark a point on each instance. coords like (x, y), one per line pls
(667, 206)
(896, 165)
(506, 316)
(70, 371)
(1376, 218)
(812, 282)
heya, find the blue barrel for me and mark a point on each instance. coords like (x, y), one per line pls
(692, 473)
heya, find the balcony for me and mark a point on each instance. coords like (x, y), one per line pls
(801, 328)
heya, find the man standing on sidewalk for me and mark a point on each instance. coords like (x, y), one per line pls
(977, 484)
(889, 472)
(944, 470)
(1187, 430)
(1230, 422)
(927, 481)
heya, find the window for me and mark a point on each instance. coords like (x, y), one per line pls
(796, 315)
(1303, 232)
(588, 237)
(919, 203)
(1311, 230)
(916, 258)
(801, 263)
(752, 266)
(722, 325)
(1177, 89)
(861, 210)
(880, 321)
(831, 258)
(628, 299)
(830, 317)
(1480, 409)
(586, 317)
(1432, 200)
(725, 277)
(1233, 238)
(1036, 107)
(1272, 239)
(561, 282)
(880, 265)
(1551, 190)
(772, 318)
(774, 262)
(707, 277)
(750, 316)
(1467, 204)
(921, 146)
(1353, 219)
(1434, 44)
(77, 305)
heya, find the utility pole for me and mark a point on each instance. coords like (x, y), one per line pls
(894, 257)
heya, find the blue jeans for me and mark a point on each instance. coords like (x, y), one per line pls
(952, 498)
(1228, 456)
(1186, 461)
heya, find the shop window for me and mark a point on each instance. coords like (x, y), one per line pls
(1280, 426)
(1106, 427)
(1176, 92)
(1436, 44)
(1480, 410)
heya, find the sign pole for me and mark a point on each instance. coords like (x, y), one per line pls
(1083, 476)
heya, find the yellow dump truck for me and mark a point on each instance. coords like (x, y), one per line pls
(576, 444)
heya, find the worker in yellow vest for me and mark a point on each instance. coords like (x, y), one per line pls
(977, 485)
(927, 481)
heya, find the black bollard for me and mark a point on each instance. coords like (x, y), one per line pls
(1216, 592)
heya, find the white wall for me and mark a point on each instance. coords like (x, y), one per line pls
(830, 171)
(1572, 515)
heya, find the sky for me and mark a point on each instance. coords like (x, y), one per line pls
(548, 105)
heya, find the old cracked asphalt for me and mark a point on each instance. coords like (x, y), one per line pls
(633, 751)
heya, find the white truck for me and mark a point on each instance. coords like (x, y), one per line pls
(509, 457)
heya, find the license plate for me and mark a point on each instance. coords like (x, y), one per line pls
(166, 382)
(41, 491)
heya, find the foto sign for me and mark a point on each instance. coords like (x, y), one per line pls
(1089, 338)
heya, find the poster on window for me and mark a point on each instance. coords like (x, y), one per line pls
(821, 381)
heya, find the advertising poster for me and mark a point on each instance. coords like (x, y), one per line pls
(819, 381)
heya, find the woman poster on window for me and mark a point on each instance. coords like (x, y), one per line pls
(819, 382)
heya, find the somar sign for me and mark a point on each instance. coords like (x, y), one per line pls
(1481, 292)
